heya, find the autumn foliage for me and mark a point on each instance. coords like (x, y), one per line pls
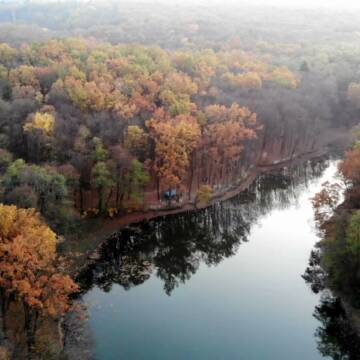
(96, 109)
(175, 140)
(350, 166)
(28, 262)
(43, 122)
(204, 194)
(324, 204)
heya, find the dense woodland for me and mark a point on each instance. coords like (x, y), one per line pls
(109, 108)
(89, 128)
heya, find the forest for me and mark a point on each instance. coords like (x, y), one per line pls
(90, 128)
(115, 109)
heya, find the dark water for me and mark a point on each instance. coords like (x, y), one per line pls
(223, 283)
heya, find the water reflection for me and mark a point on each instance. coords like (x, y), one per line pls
(172, 249)
(175, 246)
(335, 337)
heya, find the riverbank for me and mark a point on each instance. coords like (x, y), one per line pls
(338, 262)
(84, 250)
(189, 282)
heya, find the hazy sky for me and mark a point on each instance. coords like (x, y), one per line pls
(313, 3)
(340, 4)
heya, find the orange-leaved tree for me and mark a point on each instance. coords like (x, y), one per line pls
(225, 134)
(29, 266)
(324, 204)
(175, 139)
(350, 166)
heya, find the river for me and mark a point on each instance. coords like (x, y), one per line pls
(223, 283)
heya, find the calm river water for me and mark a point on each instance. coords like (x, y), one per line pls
(223, 283)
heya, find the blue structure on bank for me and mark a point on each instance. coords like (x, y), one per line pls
(170, 194)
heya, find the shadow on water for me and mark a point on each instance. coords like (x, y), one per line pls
(172, 248)
(175, 246)
(336, 337)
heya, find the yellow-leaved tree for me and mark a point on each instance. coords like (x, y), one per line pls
(175, 140)
(44, 122)
(29, 267)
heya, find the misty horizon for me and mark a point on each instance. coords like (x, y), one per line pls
(170, 179)
(304, 4)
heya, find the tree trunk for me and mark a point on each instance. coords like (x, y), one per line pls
(31, 317)
(3, 312)
(101, 199)
(117, 194)
(191, 175)
(109, 198)
(158, 187)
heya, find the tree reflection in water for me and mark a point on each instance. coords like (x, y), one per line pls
(335, 337)
(173, 247)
